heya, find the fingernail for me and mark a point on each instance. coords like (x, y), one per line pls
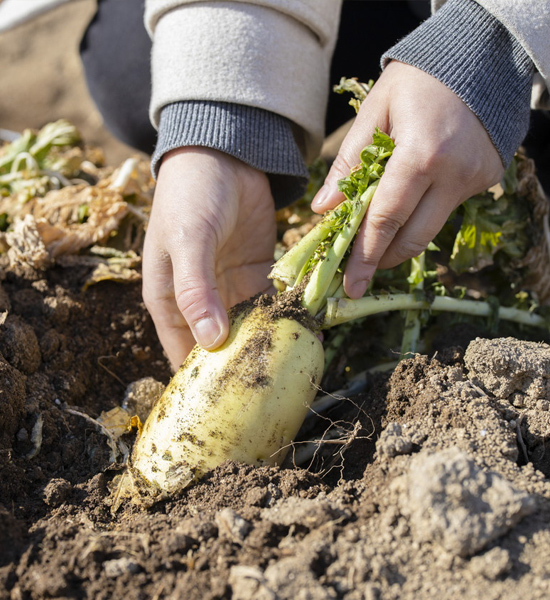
(359, 288)
(206, 332)
(320, 198)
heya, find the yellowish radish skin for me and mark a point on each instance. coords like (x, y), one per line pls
(247, 400)
(228, 405)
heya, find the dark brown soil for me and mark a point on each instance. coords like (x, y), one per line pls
(280, 306)
(440, 489)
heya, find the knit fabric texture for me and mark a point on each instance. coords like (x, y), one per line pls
(462, 45)
(260, 138)
(472, 53)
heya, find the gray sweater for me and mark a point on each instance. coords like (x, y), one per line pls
(462, 45)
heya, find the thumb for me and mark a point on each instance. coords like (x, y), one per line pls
(359, 136)
(197, 295)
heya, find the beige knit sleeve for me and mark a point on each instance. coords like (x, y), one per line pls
(270, 54)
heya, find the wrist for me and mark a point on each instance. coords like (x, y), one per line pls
(476, 57)
(258, 138)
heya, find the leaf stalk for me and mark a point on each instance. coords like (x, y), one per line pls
(343, 310)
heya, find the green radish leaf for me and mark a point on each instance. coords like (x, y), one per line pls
(489, 225)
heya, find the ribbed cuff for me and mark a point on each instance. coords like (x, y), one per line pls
(472, 53)
(261, 139)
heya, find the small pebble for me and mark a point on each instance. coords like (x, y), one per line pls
(120, 566)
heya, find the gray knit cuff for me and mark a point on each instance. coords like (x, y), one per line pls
(262, 139)
(472, 53)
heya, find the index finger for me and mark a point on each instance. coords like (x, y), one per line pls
(400, 191)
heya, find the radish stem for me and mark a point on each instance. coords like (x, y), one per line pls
(315, 294)
(411, 333)
(343, 310)
(320, 256)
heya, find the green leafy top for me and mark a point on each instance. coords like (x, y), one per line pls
(322, 253)
(30, 165)
(355, 87)
(373, 162)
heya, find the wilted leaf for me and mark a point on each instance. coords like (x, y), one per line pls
(370, 168)
(26, 245)
(58, 217)
(489, 225)
(119, 421)
(355, 87)
(114, 269)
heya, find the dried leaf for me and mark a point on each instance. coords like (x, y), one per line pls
(117, 421)
(26, 245)
(537, 258)
(58, 217)
(121, 270)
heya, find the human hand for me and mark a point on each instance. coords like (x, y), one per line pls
(443, 156)
(209, 245)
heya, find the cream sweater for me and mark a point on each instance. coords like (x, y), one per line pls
(270, 54)
(283, 50)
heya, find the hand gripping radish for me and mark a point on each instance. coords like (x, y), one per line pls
(246, 400)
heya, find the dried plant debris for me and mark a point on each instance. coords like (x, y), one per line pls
(26, 246)
(57, 200)
(537, 258)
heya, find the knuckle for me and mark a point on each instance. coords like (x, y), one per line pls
(408, 249)
(190, 297)
(155, 303)
(466, 171)
(341, 166)
(425, 163)
(363, 261)
(157, 285)
(385, 226)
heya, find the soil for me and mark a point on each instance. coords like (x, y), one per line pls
(440, 490)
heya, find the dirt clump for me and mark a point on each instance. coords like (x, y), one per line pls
(512, 369)
(141, 395)
(12, 402)
(449, 500)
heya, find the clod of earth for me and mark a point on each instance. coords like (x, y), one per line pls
(450, 500)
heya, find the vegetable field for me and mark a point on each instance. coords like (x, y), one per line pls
(419, 479)
(422, 470)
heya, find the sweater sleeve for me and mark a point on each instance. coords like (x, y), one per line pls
(527, 21)
(272, 55)
(258, 137)
(473, 54)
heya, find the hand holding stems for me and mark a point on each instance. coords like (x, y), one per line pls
(211, 234)
(443, 156)
(209, 245)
